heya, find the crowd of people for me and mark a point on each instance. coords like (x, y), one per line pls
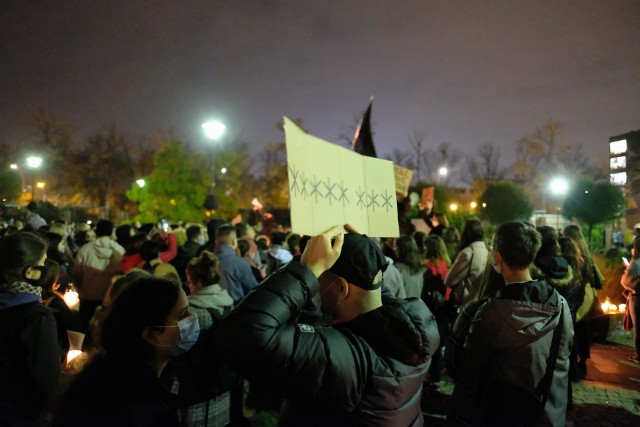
(190, 324)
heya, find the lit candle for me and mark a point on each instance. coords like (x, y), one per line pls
(71, 299)
(605, 306)
(622, 307)
(72, 354)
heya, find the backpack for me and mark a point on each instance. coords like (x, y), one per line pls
(433, 291)
(201, 372)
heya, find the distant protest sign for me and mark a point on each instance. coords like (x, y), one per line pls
(403, 179)
(330, 185)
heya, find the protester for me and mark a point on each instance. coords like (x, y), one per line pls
(591, 281)
(248, 249)
(410, 266)
(209, 302)
(629, 282)
(96, 264)
(119, 284)
(366, 368)
(34, 220)
(515, 361)
(147, 325)
(84, 234)
(235, 272)
(131, 258)
(277, 254)
(29, 353)
(187, 252)
(53, 297)
(56, 252)
(438, 299)
(465, 274)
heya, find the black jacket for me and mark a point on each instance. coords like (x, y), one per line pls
(108, 393)
(368, 371)
(29, 360)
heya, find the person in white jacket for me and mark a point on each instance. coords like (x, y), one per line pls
(95, 266)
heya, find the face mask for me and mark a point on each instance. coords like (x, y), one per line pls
(189, 331)
(62, 249)
(201, 241)
(36, 282)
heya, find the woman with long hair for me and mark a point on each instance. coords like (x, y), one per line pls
(588, 272)
(410, 266)
(465, 275)
(147, 325)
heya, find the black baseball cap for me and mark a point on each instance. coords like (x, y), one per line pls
(360, 261)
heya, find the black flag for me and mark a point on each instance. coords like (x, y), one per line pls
(363, 140)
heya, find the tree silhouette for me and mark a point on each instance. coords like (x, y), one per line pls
(594, 203)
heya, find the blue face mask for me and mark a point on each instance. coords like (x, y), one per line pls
(189, 328)
(201, 240)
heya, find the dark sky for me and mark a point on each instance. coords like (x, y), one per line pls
(464, 72)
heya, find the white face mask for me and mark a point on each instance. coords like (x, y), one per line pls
(201, 240)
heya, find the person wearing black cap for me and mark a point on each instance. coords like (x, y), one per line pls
(364, 368)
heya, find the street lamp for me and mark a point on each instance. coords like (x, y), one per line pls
(559, 187)
(140, 182)
(213, 129)
(34, 162)
(443, 171)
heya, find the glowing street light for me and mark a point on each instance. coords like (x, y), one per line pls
(453, 207)
(443, 171)
(33, 162)
(140, 182)
(223, 170)
(213, 129)
(474, 205)
(13, 166)
(40, 185)
(559, 186)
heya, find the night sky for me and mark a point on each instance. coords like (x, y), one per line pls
(464, 72)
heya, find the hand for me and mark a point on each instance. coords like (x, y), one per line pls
(319, 255)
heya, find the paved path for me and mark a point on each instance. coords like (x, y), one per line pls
(608, 396)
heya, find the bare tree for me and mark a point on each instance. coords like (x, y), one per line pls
(485, 165)
(416, 140)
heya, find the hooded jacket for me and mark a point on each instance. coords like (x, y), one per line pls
(95, 265)
(368, 371)
(209, 297)
(509, 341)
(557, 272)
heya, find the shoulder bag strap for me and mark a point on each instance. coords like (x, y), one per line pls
(464, 281)
(545, 384)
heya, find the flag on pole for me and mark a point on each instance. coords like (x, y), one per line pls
(363, 140)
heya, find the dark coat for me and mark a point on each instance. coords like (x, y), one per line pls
(508, 340)
(368, 371)
(29, 359)
(107, 393)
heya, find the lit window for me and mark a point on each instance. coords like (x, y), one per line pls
(619, 178)
(618, 163)
(618, 147)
